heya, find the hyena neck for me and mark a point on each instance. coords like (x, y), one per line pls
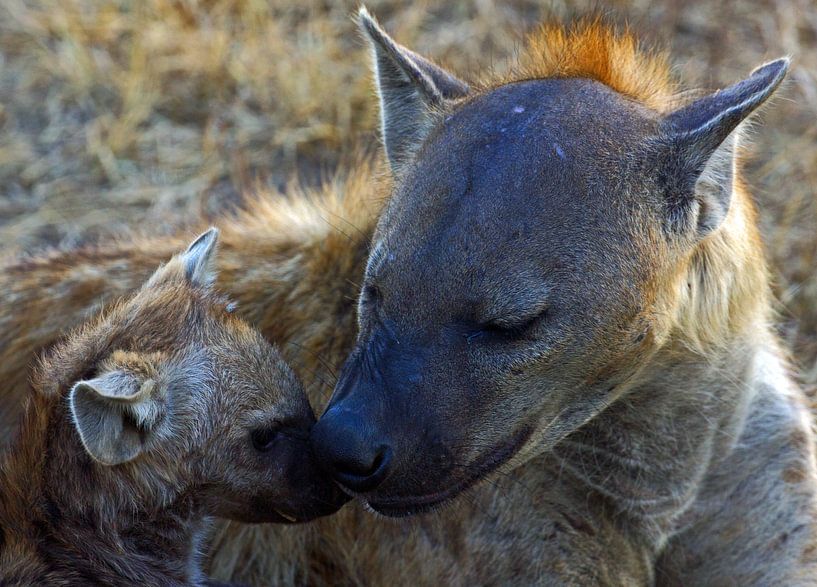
(651, 451)
(684, 412)
(75, 518)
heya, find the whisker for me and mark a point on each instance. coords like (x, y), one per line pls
(317, 357)
(342, 219)
(340, 230)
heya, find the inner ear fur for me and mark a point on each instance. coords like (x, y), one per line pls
(697, 149)
(114, 415)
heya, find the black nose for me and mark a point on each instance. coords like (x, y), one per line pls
(349, 450)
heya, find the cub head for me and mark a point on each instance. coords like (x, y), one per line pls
(172, 391)
(518, 277)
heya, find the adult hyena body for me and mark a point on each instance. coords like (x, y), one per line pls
(698, 469)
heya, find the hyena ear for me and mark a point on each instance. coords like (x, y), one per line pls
(199, 259)
(410, 88)
(196, 265)
(114, 415)
(698, 143)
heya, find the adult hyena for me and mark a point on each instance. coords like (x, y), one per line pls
(159, 414)
(294, 265)
(569, 266)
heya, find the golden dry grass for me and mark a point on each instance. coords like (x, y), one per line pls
(143, 112)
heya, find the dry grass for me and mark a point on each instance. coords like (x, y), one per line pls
(142, 112)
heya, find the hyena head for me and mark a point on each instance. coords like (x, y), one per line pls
(176, 393)
(514, 286)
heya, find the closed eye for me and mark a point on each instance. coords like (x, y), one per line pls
(505, 329)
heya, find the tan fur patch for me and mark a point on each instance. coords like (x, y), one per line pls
(809, 554)
(798, 440)
(794, 474)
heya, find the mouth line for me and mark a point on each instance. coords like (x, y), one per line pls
(485, 465)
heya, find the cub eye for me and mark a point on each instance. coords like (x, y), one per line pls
(263, 439)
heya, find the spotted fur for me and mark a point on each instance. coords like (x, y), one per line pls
(592, 511)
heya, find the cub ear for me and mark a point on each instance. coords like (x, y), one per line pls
(114, 415)
(199, 259)
(410, 88)
(698, 146)
(196, 265)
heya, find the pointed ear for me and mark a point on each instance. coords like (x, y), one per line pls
(196, 265)
(199, 259)
(114, 415)
(410, 88)
(698, 144)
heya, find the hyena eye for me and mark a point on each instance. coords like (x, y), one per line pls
(506, 330)
(263, 438)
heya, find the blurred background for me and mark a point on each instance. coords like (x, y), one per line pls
(118, 114)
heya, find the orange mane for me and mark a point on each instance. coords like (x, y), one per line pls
(591, 48)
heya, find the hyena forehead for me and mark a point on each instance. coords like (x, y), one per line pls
(535, 171)
(530, 143)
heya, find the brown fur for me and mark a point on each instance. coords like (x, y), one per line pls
(66, 518)
(295, 266)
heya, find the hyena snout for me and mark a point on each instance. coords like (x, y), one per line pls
(367, 440)
(350, 449)
(281, 482)
(351, 441)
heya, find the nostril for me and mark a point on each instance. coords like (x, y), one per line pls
(364, 474)
(378, 461)
(357, 465)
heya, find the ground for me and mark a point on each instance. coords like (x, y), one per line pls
(144, 113)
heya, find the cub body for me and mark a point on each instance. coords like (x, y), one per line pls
(164, 411)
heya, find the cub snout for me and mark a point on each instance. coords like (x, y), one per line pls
(276, 479)
(302, 491)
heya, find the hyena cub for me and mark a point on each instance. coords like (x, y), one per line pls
(165, 410)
